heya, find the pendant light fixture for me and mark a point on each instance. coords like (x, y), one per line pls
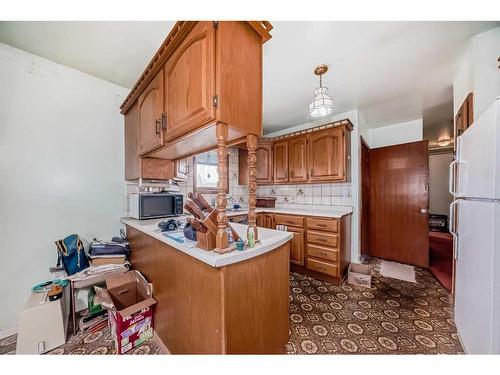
(322, 104)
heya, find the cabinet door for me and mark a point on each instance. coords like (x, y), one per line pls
(280, 161)
(150, 111)
(269, 221)
(190, 82)
(260, 220)
(327, 157)
(297, 156)
(264, 155)
(297, 246)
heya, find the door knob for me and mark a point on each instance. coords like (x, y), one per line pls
(424, 210)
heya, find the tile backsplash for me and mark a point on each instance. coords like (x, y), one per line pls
(335, 194)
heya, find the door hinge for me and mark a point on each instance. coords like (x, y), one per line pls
(216, 23)
(215, 100)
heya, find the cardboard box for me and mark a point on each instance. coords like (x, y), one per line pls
(360, 275)
(129, 301)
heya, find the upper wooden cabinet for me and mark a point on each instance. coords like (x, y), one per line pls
(142, 167)
(190, 82)
(465, 115)
(297, 159)
(204, 73)
(327, 154)
(264, 155)
(150, 107)
(280, 161)
(316, 155)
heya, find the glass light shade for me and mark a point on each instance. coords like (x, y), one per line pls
(322, 104)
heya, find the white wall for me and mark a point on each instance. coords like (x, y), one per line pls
(439, 196)
(405, 132)
(478, 72)
(61, 168)
(486, 50)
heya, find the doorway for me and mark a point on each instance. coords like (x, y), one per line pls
(365, 201)
(399, 200)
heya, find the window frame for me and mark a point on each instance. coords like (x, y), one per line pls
(205, 190)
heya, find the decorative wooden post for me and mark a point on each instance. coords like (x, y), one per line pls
(252, 185)
(221, 241)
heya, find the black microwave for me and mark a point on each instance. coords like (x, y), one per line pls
(155, 205)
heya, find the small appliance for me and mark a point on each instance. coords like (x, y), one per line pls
(155, 205)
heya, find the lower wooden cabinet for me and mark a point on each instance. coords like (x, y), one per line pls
(297, 246)
(320, 247)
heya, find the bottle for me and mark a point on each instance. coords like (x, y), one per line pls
(250, 237)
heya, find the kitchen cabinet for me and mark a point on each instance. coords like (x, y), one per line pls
(151, 122)
(264, 155)
(265, 220)
(327, 155)
(193, 83)
(297, 246)
(320, 155)
(297, 157)
(141, 167)
(280, 161)
(190, 82)
(465, 115)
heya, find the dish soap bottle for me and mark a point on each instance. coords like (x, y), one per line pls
(250, 237)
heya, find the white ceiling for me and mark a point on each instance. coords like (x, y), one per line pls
(390, 71)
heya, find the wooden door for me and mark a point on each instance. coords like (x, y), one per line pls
(260, 220)
(297, 246)
(150, 111)
(365, 199)
(399, 203)
(297, 156)
(327, 154)
(264, 155)
(190, 82)
(280, 161)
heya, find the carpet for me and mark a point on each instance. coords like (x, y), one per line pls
(392, 317)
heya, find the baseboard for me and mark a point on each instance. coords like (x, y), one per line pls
(160, 343)
(7, 332)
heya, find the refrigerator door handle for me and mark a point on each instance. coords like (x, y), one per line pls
(452, 228)
(452, 178)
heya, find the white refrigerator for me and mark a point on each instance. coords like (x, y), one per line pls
(475, 224)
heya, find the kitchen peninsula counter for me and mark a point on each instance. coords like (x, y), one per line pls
(215, 303)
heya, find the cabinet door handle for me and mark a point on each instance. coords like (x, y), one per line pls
(158, 127)
(164, 121)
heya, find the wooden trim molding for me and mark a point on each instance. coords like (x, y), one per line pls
(178, 33)
(221, 240)
(346, 122)
(252, 185)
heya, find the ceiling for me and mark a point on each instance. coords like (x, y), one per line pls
(391, 71)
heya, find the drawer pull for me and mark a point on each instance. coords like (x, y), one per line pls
(322, 253)
(321, 225)
(289, 222)
(322, 239)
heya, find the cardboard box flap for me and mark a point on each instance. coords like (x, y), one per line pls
(137, 307)
(115, 281)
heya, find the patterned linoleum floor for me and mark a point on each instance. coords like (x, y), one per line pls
(393, 317)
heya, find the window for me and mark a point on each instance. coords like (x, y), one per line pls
(205, 176)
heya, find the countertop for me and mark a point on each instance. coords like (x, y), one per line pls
(320, 211)
(269, 240)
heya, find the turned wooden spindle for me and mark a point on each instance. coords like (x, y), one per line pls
(221, 241)
(252, 184)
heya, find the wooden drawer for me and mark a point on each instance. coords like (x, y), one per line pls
(322, 252)
(323, 267)
(323, 238)
(331, 225)
(294, 221)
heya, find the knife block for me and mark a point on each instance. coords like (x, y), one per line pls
(205, 241)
